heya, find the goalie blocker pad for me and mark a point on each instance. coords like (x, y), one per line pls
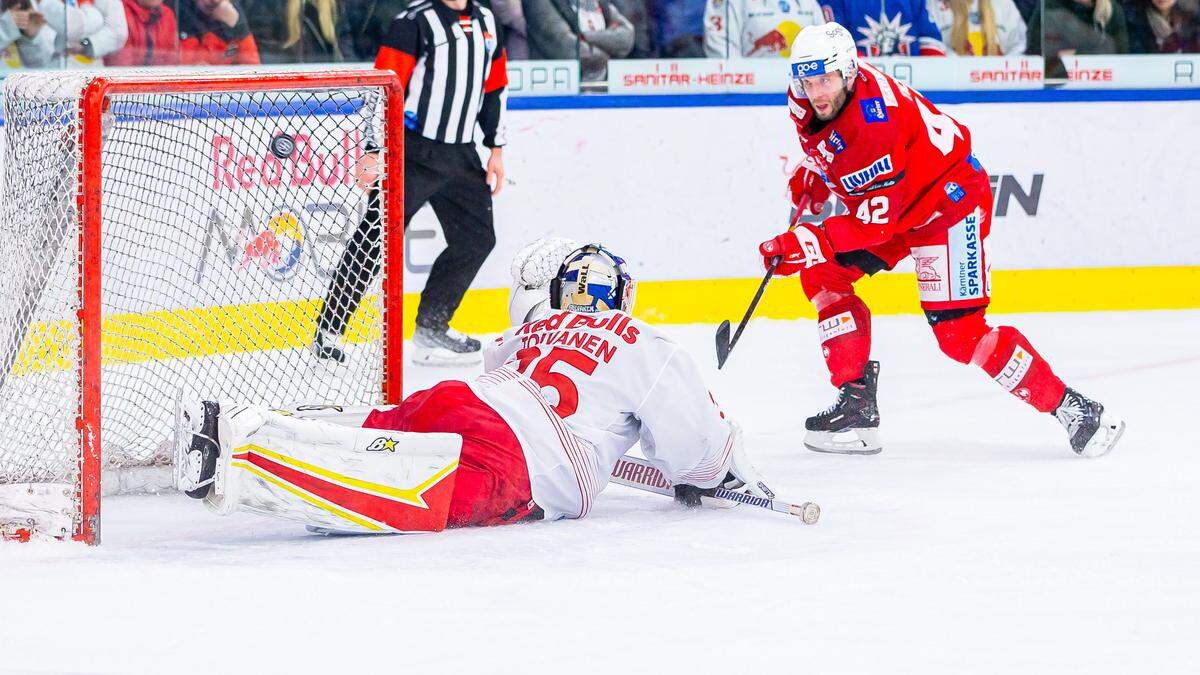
(332, 476)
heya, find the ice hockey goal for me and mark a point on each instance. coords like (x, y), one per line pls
(168, 234)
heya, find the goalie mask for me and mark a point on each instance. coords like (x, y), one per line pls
(592, 279)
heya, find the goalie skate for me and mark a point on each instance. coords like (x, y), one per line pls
(196, 446)
(851, 425)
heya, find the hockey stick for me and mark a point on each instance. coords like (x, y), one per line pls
(640, 474)
(725, 344)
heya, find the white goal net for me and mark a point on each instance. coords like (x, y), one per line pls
(166, 234)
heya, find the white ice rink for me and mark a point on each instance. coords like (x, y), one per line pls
(976, 543)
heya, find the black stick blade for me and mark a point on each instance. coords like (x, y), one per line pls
(723, 345)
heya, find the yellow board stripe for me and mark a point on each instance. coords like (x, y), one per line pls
(410, 496)
(308, 497)
(712, 301)
(186, 333)
(254, 327)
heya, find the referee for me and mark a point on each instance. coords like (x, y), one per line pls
(449, 57)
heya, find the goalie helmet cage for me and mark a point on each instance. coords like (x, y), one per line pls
(170, 234)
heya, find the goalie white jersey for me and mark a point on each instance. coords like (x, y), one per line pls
(580, 390)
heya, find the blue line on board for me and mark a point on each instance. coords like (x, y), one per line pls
(769, 99)
(234, 108)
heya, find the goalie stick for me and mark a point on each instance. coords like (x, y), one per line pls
(725, 344)
(640, 474)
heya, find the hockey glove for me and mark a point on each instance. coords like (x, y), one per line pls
(800, 248)
(532, 269)
(741, 476)
(807, 183)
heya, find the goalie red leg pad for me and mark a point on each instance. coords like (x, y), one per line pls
(492, 481)
(845, 332)
(1006, 355)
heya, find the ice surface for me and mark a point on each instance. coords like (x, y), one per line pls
(975, 543)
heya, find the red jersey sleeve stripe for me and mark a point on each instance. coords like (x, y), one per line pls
(397, 61)
(498, 77)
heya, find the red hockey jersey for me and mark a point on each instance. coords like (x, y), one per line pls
(896, 161)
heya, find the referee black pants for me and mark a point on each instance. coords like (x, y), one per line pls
(450, 179)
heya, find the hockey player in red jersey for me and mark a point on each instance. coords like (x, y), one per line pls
(567, 392)
(913, 187)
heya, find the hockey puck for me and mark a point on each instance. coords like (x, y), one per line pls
(283, 146)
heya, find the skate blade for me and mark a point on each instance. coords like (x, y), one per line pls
(1106, 437)
(444, 358)
(853, 442)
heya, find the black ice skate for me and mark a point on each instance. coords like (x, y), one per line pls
(196, 447)
(1093, 431)
(850, 426)
(326, 347)
(445, 348)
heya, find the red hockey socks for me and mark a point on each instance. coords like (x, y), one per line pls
(845, 332)
(1006, 355)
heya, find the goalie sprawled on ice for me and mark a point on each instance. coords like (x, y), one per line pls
(565, 393)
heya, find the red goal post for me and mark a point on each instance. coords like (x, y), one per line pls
(135, 139)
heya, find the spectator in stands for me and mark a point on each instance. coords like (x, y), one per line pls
(94, 29)
(1026, 7)
(153, 36)
(677, 28)
(511, 16)
(1033, 35)
(888, 27)
(980, 27)
(754, 28)
(639, 16)
(1163, 26)
(300, 31)
(25, 39)
(593, 31)
(1081, 27)
(214, 32)
(368, 21)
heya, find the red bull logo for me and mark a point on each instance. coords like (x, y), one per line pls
(276, 249)
(233, 168)
(779, 41)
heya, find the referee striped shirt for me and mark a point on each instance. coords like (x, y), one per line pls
(453, 68)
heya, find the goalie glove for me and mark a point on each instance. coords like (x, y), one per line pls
(533, 267)
(741, 476)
